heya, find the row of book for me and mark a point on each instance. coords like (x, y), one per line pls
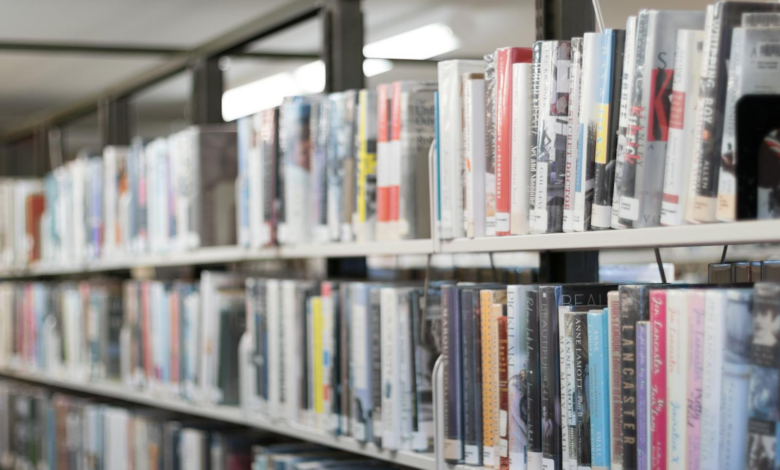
(170, 194)
(349, 166)
(607, 376)
(351, 358)
(56, 431)
(620, 129)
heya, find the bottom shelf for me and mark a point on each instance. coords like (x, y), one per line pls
(228, 414)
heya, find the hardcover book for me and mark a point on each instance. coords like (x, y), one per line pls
(643, 358)
(598, 388)
(573, 133)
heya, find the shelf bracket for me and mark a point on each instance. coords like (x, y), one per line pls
(660, 264)
(723, 256)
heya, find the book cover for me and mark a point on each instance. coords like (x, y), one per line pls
(367, 166)
(503, 388)
(696, 302)
(360, 361)
(712, 378)
(658, 384)
(321, 150)
(490, 67)
(550, 376)
(474, 154)
(753, 70)
(643, 367)
(375, 313)
(593, 45)
(517, 298)
(710, 114)
(426, 328)
(633, 308)
(615, 378)
(677, 377)
(453, 385)
(581, 387)
(679, 153)
(608, 114)
(348, 135)
(626, 89)
(501, 167)
(337, 152)
(569, 440)
(490, 374)
(521, 148)
(642, 185)
(572, 133)
(471, 355)
(450, 141)
(598, 388)
(762, 401)
(294, 148)
(383, 159)
(536, 88)
(534, 448)
(551, 144)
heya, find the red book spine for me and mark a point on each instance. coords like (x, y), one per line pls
(383, 139)
(658, 380)
(505, 59)
(395, 138)
(503, 392)
(35, 205)
(146, 330)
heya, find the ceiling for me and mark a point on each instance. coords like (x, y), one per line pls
(33, 82)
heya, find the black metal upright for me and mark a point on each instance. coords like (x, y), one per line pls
(342, 44)
(564, 19)
(114, 121)
(207, 89)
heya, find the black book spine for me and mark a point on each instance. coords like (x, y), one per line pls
(534, 372)
(633, 308)
(550, 375)
(469, 377)
(453, 379)
(476, 317)
(580, 387)
(376, 365)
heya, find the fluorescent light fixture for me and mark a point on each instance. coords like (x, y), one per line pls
(421, 43)
(374, 67)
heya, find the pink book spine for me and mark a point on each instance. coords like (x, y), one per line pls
(695, 373)
(658, 380)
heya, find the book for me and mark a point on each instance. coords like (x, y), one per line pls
(581, 387)
(598, 386)
(658, 383)
(762, 400)
(360, 361)
(534, 407)
(536, 93)
(712, 377)
(569, 437)
(608, 113)
(696, 304)
(474, 154)
(453, 385)
(615, 377)
(491, 412)
(685, 86)
(517, 298)
(710, 113)
(501, 166)
(295, 176)
(750, 72)
(503, 388)
(491, 99)
(626, 89)
(551, 144)
(521, 148)
(572, 133)
(450, 76)
(677, 346)
(366, 168)
(426, 326)
(643, 368)
(319, 129)
(584, 169)
(472, 356)
(642, 188)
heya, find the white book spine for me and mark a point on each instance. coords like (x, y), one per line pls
(109, 201)
(566, 356)
(589, 90)
(539, 224)
(474, 156)
(676, 377)
(406, 370)
(712, 378)
(292, 351)
(681, 126)
(573, 137)
(521, 148)
(391, 397)
(273, 316)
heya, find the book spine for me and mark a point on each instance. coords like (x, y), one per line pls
(607, 128)
(695, 361)
(366, 192)
(417, 134)
(615, 382)
(643, 357)
(598, 396)
(736, 379)
(581, 363)
(316, 360)
(677, 377)
(762, 423)
(534, 448)
(583, 186)
(490, 372)
(573, 135)
(521, 148)
(383, 157)
(536, 82)
(391, 370)
(375, 316)
(658, 384)
(320, 138)
(492, 65)
(539, 224)
(453, 389)
(550, 375)
(474, 156)
(517, 363)
(568, 390)
(503, 137)
(681, 126)
(406, 398)
(471, 455)
(629, 315)
(503, 390)
(360, 362)
(712, 378)
(476, 313)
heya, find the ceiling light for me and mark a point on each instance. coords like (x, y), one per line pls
(374, 67)
(421, 43)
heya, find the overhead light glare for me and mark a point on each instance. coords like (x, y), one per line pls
(422, 43)
(374, 67)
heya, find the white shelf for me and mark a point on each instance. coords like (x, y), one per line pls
(737, 233)
(233, 415)
(341, 250)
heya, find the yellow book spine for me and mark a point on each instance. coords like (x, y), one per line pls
(490, 369)
(366, 159)
(316, 309)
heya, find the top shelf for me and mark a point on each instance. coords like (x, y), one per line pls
(738, 233)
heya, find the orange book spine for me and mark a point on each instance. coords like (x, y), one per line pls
(383, 141)
(490, 374)
(395, 138)
(503, 388)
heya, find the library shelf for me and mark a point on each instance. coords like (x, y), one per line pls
(736, 233)
(227, 414)
(340, 250)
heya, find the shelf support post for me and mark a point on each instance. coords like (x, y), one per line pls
(114, 121)
(342, 45)
(207, 88)
(564, 19)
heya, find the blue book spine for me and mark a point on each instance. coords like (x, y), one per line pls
(642, 393)
(598, 396)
